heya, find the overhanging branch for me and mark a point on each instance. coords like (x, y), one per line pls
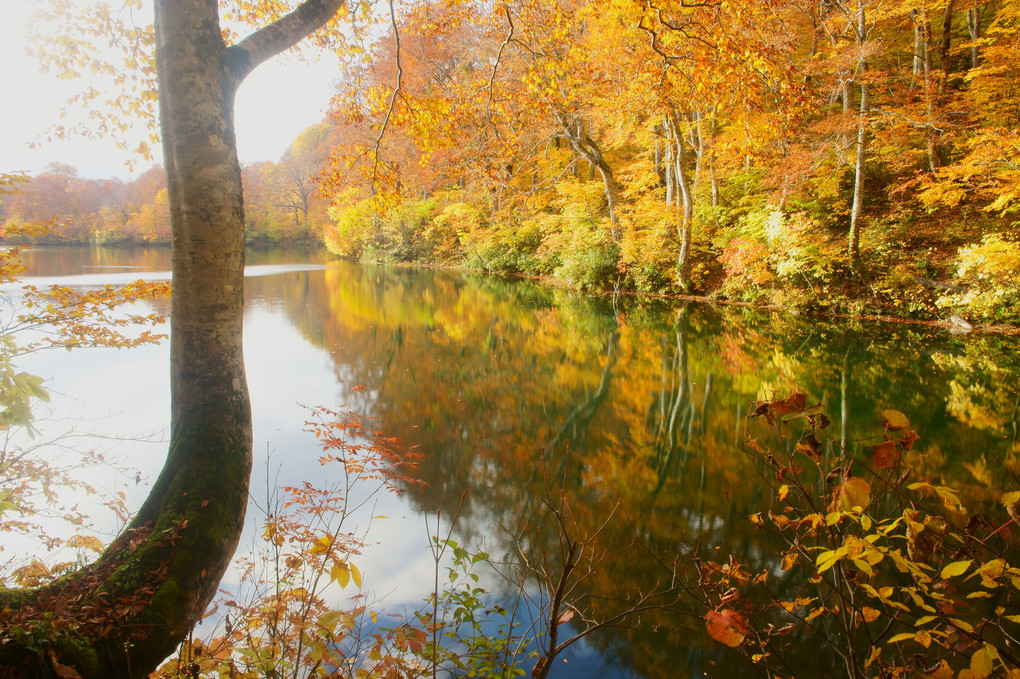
(279, 36)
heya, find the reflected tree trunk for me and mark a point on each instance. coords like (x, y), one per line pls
(679, 414)
(577, 422)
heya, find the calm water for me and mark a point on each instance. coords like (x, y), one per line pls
(513, 391)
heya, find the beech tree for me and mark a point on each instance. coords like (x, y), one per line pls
(126, 612)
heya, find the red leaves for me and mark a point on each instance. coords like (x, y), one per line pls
(887, 454)
(364, 454)
(726, 626)
(795, 405)
(775, 409)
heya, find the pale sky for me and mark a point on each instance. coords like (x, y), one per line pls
(275, 103)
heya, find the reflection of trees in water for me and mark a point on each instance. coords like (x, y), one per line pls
(575, 427)
(511, 389)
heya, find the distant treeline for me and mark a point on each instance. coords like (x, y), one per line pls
(280, 202)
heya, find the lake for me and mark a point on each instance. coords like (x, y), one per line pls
(514, 392)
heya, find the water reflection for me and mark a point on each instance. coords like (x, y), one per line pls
(512, 390)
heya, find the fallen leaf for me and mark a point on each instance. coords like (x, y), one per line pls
(63, 671)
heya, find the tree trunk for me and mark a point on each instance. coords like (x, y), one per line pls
(947, 35)
(660, 171)
(711, 163)
(124, 614)
(862, 144)
(684, 203)
(920, 43)
(670, 162)
(573, 130)
(974, 30)
(930, 94)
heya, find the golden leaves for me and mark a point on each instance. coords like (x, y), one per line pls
(343, 572)
(853, 493)
(895, 420)
(956, 568)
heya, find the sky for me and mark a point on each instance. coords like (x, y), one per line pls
(279, 100)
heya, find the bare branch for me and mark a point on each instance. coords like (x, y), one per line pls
(397, 91)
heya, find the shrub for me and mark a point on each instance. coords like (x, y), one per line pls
(775, 254)
(591, 262)
(990, 271)
(508, 249)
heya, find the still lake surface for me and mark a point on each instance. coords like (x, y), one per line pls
(512, 391)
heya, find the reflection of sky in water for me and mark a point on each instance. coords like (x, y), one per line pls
(117, 402)
(133, 273)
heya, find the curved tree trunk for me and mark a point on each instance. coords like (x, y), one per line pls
(123, 615)
(684, 201)
(573, 131)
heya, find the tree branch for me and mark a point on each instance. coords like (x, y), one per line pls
(280, 36)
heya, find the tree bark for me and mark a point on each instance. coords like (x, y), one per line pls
(920, 44)
(974, 17)
(930, 95)
(124, 614)
(670, 163)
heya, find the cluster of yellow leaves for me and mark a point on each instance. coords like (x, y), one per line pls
(908, 562)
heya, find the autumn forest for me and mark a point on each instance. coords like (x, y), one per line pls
(847, 157)
(505, 436)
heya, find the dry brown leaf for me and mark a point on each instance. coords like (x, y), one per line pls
(885, 455)
(810, 446)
